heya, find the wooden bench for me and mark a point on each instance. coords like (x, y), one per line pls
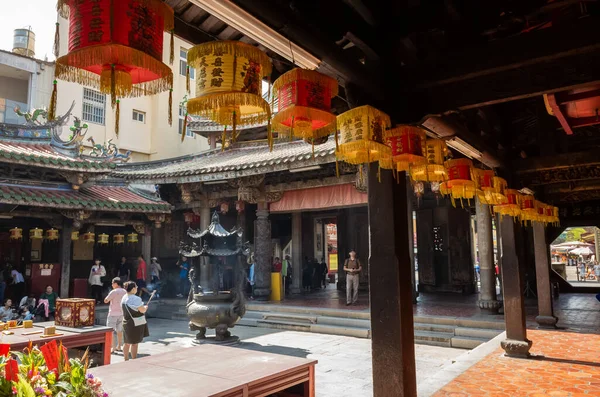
(210, 371)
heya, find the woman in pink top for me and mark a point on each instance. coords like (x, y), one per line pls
(115, 311)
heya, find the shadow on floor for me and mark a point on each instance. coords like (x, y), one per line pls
(288, 351)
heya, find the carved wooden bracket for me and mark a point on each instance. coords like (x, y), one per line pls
(75, 179)
(190, 192)
(140, 228)
(158, 219)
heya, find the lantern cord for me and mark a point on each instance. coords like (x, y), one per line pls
(337, 168)
(223, 138)
(360, 172)
(234, 128)
(172, 54)
(53, 98)
(56, 40)
(170, 107)
(183, 130)
(113, 86)
(187, 79)
(117, 117)
(270, 135)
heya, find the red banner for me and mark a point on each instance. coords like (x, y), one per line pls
(461, 171)
(50, 353)
(512, 198)
(11, 370)
(486, 179)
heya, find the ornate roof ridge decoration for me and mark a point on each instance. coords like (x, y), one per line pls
(34, 129)
(107, 151)
(214, 229)
(144, 191)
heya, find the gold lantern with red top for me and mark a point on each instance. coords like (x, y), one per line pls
(361, 139)
(16, 233)
(490, 188)
(103, 239)
(132, 238)
(74, 236)
(36, 234)
(433, 170)
(229, 78)
(52, 234)
(119, 238)
(303, 99)
(512, 207)
(89, 237)
(461, 182)
(116, 47)
(408, 148)
(528, 211)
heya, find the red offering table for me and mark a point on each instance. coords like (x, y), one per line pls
(210, 371)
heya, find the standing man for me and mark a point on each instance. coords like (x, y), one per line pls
(287, 265)
(95, 280)
(597, 271)
(352, 267)
(251, 276)
(115, 312)
(184, 268)
(284, 275)
(141, 274)
(124, 272)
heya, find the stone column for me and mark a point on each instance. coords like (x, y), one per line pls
(488, 301)
(411, 238)
(393, 351)
(262, 252)
(147, 250)
(205, 274)
(516, 343)
(546, 318)
(64, 257)
(296, 252)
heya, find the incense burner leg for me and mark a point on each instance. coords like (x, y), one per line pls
(221, 332)
(201, 331)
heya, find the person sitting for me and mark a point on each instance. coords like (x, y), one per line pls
(28, 302)
(6, 311)
(49, 298)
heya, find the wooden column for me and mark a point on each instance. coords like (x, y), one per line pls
(392, 328)
(546, 318)
(64, 257)
(296, 252)
(485, 244)
(516, 343)
(262, 252)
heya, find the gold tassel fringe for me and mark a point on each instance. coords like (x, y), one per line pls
(71, 67)
(361, 152)
(187, 79)
(172, 49)
(361, 111)
(304, 74)
(304, 112)
(236, 48)
(56, 48)
(171, 106)
(63, 8)
(53, 99)
(183, 130)
(117, 117)
(212, 106)
(270, 135)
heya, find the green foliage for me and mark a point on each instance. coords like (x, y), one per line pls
(572, 234)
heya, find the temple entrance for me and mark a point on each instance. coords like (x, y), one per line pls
(575, 255)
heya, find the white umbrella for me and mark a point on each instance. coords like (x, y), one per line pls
(581, 251)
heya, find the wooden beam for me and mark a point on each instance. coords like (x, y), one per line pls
(557, 111)
(565, 160)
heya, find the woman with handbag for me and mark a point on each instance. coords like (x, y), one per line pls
(135, 327)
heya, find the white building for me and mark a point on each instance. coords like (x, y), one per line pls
(143, 127)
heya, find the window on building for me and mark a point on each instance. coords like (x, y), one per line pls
(183, 64)
(187, 130)
(139, 116)
(94, 106)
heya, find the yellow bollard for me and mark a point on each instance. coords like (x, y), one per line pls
(276, 287)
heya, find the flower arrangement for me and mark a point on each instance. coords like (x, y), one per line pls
(46, 371)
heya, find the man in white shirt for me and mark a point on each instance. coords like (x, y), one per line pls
(95, 280)
(18, 282)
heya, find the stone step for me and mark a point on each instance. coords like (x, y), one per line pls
(480, 333)
(434, 338)
(447, 329)
(290, 317)
(461, 322)
(287, 325)
(313, 311)
(315, 328)
(466, 342)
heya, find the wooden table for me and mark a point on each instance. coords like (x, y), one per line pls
(71, 338)
(210, 371)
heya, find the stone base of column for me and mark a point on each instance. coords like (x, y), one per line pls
(516, 348)
(489, 306)
(261, 294)
(546, 321)
(295, 291)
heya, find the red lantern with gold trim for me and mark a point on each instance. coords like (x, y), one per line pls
(460, 183)
(408, 148)
(512, 207)
(490, 188)
(240, 206)
(16, 233)
(89, 237)
(116, 47)
(119, 238)
(224, 207)
(52, 234)
(304, 104)
(188, 217)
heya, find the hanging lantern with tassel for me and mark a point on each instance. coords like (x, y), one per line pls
(116, 47)
(74, 236)
(89, 237)
(36, 234)
(103, 239)
(408, 148)
(528, 210)
(16, 233)
(224, 207)
(188, 217)
(119, 238)
(433, 170)
(240, 206)
(132, 238)
(555, 216)
(361, 140)
(460, 184)
(512, 207)
(490, 188)
(229, 85)
(303, 101)
(52, 234)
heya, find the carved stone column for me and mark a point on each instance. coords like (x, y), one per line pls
(147, 249)
(296, 251)
(64, 257)
(516, 343)
(488, 301)
(546, 318)
(262, 252)
(205, 270)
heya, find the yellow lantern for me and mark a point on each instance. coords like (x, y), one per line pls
(89, 237)
(119, 238)
(36, 234)
(512, 207)
(361, 139)
(52, 234)
(408, 148)
(74, 236)
(304, 104)
(229, 84)
(16, 233)
(490, 188)
(103, 239)
(555, 216)
(460, 183)
(132, 238)
(528, 210)
(433, 170)
(540, 210)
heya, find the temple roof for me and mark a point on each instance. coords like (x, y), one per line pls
(94, 198)
(246, 159)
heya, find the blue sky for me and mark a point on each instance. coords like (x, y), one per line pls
(39, 14)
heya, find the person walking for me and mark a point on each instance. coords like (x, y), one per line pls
(287, 265)
(323, 273)
(352, 267)
(597, 271)
(155, 270)
(133, 312)
(50, 297)
(581, 272)
(95, 280)
(141, 274)
(124, 272)
(251, 277)
(184, 268)
(115, 312)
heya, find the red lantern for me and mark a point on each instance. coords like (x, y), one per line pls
(188, 217)
(89, 237)
(460, 184)
(240, 206)
(512, 206)
(304, 104)
(408, 148)
(224, 207)
(16, 233)
(116, 46)
(119, 238)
